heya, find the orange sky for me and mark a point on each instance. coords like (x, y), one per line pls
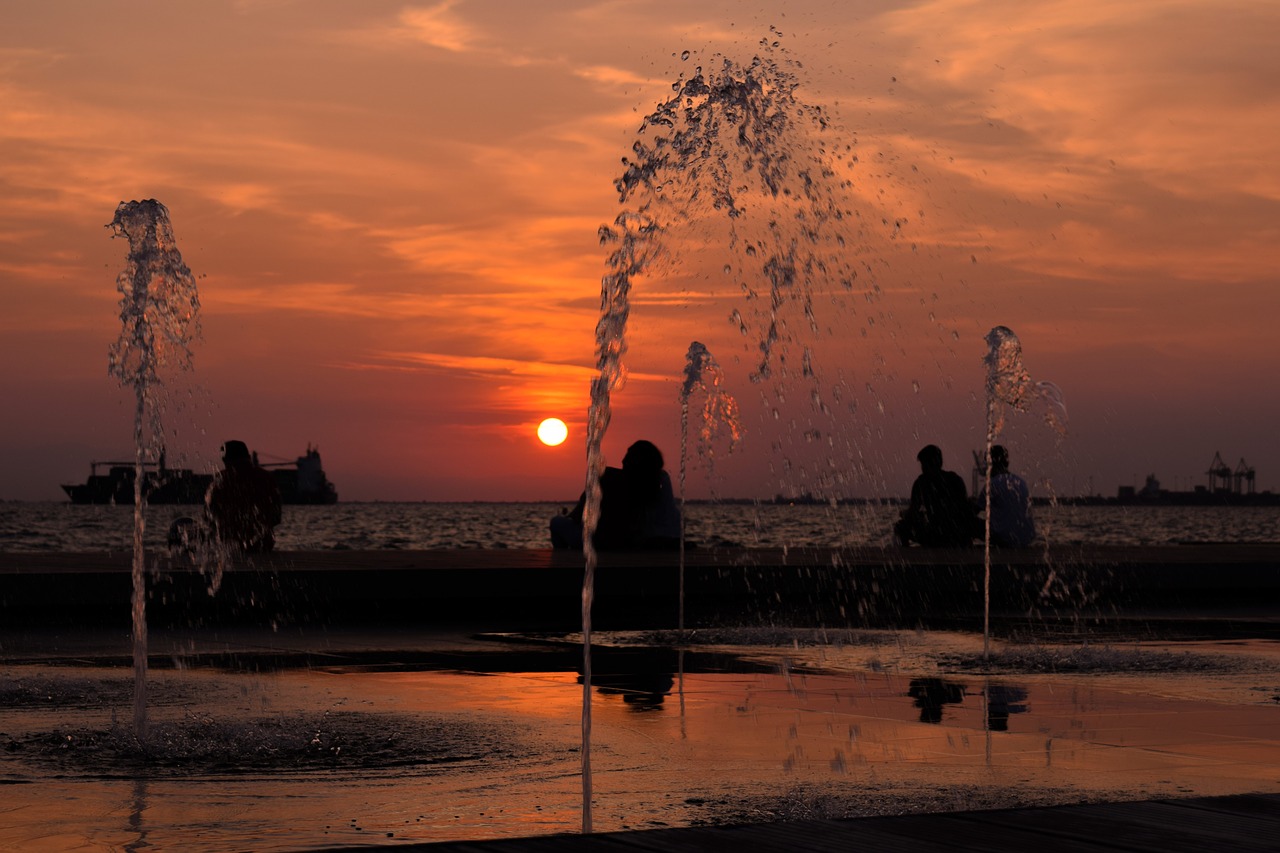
(391, 209)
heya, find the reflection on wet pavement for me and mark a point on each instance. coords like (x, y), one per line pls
(390, 746)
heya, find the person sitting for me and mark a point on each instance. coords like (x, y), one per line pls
(637, 507)
(1011, 523)
(243, 503)
(939, 514)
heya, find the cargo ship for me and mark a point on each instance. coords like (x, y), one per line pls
(302, 481)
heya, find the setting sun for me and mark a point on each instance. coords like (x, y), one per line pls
(552, 431)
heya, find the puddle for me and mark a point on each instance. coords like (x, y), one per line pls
(457, 738)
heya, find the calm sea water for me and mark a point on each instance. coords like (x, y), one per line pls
(432, 526)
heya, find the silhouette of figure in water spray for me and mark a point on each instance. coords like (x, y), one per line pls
(159, 318)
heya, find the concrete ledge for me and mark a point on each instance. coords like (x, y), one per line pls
(519, 590)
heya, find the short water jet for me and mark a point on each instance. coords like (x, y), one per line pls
(1008, 384)
(719, 411)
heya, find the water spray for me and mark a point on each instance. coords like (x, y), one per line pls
(1008, 384)
(159, 317)
(719, 411)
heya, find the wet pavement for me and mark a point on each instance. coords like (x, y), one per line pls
(322, 739)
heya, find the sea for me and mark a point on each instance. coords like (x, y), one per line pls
(60, 526)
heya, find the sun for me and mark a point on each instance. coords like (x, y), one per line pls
(552, 431)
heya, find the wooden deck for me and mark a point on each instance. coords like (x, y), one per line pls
(1244, 823)
(524, 589)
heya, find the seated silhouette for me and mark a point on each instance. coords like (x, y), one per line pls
(939, 514)
(1011, 523)
(637, 507)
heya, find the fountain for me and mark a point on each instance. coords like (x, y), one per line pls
(1009, 384)
(443, 743)
(159, 316)
(719, 411)
(724, 143)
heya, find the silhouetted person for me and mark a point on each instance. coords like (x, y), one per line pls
(243, 504)
(1011, 524)
(939, 514)
(637, 507)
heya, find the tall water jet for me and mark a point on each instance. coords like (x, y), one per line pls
(737, 146)
(1009, 384)
(159, 318)
(635, 236)
(719, 411)
(747, 177)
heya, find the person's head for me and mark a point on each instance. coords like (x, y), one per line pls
(930, 458)
(999, 458)
(643, 457)
(235, 453)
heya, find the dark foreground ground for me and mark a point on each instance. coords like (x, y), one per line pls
(1249, 822)
(379, 641)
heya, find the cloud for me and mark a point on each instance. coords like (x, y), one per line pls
(1105, 82)
(439, 26)
(244, 196)
(611, 76)
(510, 384)
(395, 204)
(476, 366)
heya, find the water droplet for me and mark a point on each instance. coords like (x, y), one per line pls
(684, 56)
(915, 386)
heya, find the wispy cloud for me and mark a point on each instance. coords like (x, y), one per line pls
(608, 75)
(481, 365)
(476, 365)
(439, 26)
